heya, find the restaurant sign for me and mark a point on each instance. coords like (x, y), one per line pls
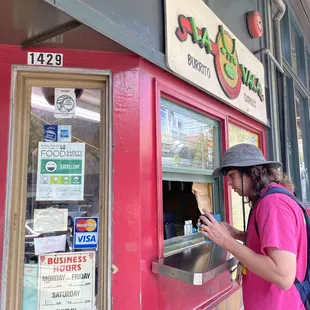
(202, 50)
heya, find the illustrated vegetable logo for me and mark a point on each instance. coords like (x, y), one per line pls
(231, 74)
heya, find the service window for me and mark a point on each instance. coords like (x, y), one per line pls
(190, 145)
(59, 170)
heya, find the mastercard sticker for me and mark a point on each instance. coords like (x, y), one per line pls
(86, 233)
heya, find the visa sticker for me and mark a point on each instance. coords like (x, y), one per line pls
(86, 233)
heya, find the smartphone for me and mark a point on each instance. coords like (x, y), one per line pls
(217, 216)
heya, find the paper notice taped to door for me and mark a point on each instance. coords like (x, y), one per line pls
(67, 281)
(65, 103)
(30, 290)
(50, 244)
(50, 220)
(60, 171)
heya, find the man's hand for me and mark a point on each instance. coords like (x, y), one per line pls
(216, 232)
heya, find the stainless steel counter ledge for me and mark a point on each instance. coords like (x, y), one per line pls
(196, 265)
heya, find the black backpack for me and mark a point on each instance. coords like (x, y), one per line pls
(302, 287)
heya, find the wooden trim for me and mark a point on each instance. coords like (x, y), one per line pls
(67, 83)
(63, 77)
(21, 121)
(104, 227)
(18, 188)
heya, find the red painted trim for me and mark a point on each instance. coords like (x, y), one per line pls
(159, 200)
(227, 192)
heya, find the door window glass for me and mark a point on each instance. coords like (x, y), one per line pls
(187, 139)
(62, 207)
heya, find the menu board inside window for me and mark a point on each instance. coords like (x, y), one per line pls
(239, 135)
(188, 139)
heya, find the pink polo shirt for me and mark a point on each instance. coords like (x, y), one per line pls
(281, 225)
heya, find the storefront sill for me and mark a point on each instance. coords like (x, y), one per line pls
(196, 265)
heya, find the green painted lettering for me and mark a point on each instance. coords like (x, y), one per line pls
(254, 84)
(250, 81)
(205, 42)
(195, 37)
(259, 88)
(245, 73)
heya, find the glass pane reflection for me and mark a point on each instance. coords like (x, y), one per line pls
(57, 275)
(187, 142)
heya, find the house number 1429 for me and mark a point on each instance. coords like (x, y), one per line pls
(45, 59)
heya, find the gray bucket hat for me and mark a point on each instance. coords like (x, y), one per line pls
(243, 155)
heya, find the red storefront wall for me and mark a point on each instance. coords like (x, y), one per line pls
(137, 238)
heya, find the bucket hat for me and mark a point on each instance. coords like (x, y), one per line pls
(243, 155)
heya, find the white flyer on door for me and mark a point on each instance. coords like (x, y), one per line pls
(60, 171)
(67, 281)
(49, 244)
(50, 220)
(65, 103)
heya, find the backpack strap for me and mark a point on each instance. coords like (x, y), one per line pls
(280, 190)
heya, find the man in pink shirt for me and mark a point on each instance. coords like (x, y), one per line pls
(274, 252)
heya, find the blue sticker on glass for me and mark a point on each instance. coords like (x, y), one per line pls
(50, 133)
(64, 133)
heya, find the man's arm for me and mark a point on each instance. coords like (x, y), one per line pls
(277, 267)
(234, 232)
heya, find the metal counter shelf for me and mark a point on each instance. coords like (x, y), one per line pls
(181, 243)
(196, 265)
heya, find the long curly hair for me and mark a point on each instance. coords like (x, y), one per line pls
(261, 177)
